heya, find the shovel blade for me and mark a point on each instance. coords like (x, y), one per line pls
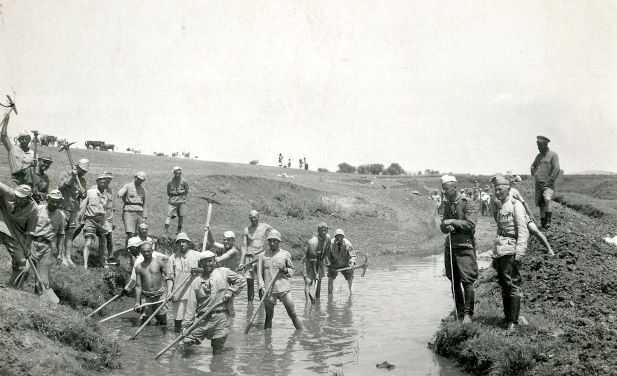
(50, 296)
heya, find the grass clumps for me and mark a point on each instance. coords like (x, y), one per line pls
(483, 351)
(39, 339)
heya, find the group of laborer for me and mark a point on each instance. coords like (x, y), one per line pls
(515, 222)
(38, 224)
(302, 164)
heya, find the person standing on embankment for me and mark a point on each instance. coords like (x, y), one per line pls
(459, 222)
(545, 169)
(510, 248)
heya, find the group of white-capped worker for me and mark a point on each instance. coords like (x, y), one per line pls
(515, 222)
(38, 224)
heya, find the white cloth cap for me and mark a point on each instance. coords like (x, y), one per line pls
(448, 179)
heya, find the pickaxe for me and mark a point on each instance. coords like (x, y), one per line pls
(36, 141)
(364, 266)
(11, 104)
(210, 201)
(66, 147)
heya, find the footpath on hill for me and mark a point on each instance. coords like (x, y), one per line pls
(570, 304)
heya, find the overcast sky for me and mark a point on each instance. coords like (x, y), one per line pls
(449, 85)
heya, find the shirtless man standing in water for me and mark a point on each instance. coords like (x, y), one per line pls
(152, 275)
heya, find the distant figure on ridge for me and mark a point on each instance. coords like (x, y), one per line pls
(177, 192)
(545, 169)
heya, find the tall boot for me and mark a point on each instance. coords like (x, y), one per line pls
(515, 309)
(250, 289)
(469, 303)
(548, 219)
(218, 345)
(543, 222)
(505, 298)
(459, 299)
(178, 326)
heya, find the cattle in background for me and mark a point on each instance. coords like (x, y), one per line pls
(95, 145)
(108, 147)
(158, 154)
(48, 140)
(135, 151)
(174, 154)
(186, 155)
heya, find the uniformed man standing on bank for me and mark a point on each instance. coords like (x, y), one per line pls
(133, 196)
(510, 248)
(177, 192)
(459, 222)
(545, 169)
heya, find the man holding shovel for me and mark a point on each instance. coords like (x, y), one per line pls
(317, 247)
(18, 219)
(459, 222)
(72, 186)
(215, 290)
(48, 236)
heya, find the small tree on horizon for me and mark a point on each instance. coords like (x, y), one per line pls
(346, 168)
(371, 169)
(394, 169)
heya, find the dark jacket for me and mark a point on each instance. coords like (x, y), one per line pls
(464, 211)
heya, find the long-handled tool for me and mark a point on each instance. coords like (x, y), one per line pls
(452, 275)
(364, 266)
(129, 310)
(261, 302)
(66, 146)
(210, 201)
(10, 105)
(47, 292)
(128, 286)
(181, 285)
(190, 328)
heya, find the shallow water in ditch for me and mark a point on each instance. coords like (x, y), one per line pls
(391, 316)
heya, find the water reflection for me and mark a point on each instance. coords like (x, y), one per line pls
(391, 316)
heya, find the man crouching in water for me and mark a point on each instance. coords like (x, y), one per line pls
(216, 287)
(151, 276)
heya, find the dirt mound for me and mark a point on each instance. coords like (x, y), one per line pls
(36, 339)
(570, 303)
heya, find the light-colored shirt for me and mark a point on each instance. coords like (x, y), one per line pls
(177, 191)
(220, 281)
(49, 225)
(23, 219)
(256, 239)
(180, 266)
(512, 232)
(227, 258)
(95, 204)
(269, 265)
(133, 198)
(70, 191)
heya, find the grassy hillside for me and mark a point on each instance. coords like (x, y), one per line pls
(380, 216)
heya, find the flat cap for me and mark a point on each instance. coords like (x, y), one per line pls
(448, 179)
(229, 235)
(274, 234)
(23, 191)
(176, 168)
(339, 232)
(322, 225)
(143, 225)
(542, 139)
(182, 236)
(84, 164)
(134, 242)
(45, 158)
(55, 195)
(140, 175)
(500, 180)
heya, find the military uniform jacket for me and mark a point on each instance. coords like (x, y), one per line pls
(461, 208)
